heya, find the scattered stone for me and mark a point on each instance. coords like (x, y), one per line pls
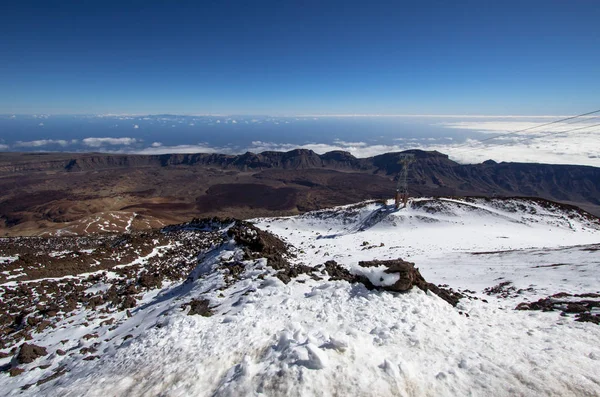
(199, 306)
(86, 350)
(503, 289)
(28, 353)
(576, 308)
(288, 274)
(581, 308)
(16, 371)
(588, 317)
(110, 321)
(128, 303)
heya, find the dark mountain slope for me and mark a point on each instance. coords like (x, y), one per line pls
(37, 190)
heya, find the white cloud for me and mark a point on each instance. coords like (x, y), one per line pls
(45, 142)
(41, 124)
(542, 145)
(135, 126)
(3, 147)
(354, 144)
(577, 149)
(358, 149)
(548, 146)
(200, 148)
(97, 142)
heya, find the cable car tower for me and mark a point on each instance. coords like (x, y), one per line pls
(406, 159)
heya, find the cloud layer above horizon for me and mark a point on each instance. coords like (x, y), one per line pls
(571, 142)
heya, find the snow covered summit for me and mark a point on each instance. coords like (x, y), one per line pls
(271, 318)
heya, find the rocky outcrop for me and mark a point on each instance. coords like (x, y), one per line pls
(409, 277)
(260, 244)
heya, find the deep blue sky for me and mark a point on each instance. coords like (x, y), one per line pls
(310, 57)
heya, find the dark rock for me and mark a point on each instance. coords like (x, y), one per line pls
(110, 321)
(15, 371)
(294, 271)
(409, 275)
(86, 350)
(581, 308)
(337, 272)
(28, 353)
(260, 244)
(447, 294)
(504, 289)
(576, 308)
(201, 307)
(588, 317)
(150, 281)
(128, 303)
(546, 305)
(42, 326)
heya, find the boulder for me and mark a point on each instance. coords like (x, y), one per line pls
(409, 274)
(29, 353)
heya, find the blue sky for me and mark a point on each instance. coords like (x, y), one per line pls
(288, 58)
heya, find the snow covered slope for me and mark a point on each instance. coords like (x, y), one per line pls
(469, 243)
(255, 335)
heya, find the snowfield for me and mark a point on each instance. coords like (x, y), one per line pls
(318, 337)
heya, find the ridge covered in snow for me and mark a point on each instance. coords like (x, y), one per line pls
(268, 317)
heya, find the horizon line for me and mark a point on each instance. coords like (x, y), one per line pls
(342, 115)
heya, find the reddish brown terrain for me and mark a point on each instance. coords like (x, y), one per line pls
(75, 194)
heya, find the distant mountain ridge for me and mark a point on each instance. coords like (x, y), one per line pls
(64, 187)
(431, 170)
